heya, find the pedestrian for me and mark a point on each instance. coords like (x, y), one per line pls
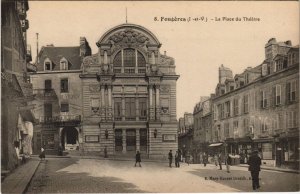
(177, 159)
(170, 157)
(204, 157)
(220, 160)
(42, 154)
(180, 155)
(216, 159)
(228, 163)
(254, 163)
(187, 158)
(138, 159)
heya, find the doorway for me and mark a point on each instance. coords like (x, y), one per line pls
(69, 138)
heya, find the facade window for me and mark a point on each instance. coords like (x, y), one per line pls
(48, 85)
(263, 99)
(235, 128)
(246, 125)
(221, 111)
(264, 126)
(47, 65)
(278, 65)
(48, 110)
(64, 107)
(231, 88)
(143, 108)
(129, 59)
(64, 64)
(215, 112)
(64, 85)
(291, 90)
(236, 107)
(292, 119)
(226, 130)
(278, 95)
(246, 103)
(227, 109)
(279, 122)
(130, 109)
(118, 108)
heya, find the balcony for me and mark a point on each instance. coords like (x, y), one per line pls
(129, 70)
(61, 120)
(28, 54)
(24, 25)
(45, 94)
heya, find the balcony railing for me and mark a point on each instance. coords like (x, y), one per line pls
(60, 119)
(129, 70)
(45, 93)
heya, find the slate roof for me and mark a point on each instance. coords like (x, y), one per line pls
(55, 54)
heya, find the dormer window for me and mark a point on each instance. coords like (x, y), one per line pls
(64, 64)
(48, 65)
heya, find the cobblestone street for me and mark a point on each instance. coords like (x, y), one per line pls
(69, 175)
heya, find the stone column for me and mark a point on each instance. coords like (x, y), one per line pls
(122, 68)
(124, 140)
(151, 110)
(136, 62)
(109, 96)
(102, 102)
(59, 136)
(123, 108)
(137, 139)
(137, 113)
(157, 105)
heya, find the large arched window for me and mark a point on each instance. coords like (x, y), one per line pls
(129, 61)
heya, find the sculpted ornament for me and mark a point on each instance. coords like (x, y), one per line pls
(94, 88)
(128, 37)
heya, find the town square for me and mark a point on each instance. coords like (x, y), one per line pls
(126, 97)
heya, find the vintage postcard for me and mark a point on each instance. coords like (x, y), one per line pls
(142, 97)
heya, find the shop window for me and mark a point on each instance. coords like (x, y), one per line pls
(266, 151)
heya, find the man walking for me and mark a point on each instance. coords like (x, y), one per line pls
(138, 159)
(170, 157)
(204, 157)
(220, 160)
(177, 160)
(254, 167)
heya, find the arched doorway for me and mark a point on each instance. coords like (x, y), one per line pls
(69, 138)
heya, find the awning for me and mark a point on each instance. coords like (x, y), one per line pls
(215, 144)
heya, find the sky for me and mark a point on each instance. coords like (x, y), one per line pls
(198, 47)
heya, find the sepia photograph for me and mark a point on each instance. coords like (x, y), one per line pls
(149, 96)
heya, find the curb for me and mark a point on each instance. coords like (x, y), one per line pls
(26, 188)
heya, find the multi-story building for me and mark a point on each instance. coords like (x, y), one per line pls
(125, 95)
(58, 98)
(202, 127)
(186, 132)
(259, 107)
(16, 91)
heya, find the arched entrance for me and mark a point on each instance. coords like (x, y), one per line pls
(69, 138)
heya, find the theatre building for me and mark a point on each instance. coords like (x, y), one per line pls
(129, 95)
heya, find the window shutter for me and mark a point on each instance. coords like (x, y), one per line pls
(297, 89)
(273, 97)
(288, 88)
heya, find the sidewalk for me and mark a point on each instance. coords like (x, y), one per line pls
(18, 180)
(273, 168)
